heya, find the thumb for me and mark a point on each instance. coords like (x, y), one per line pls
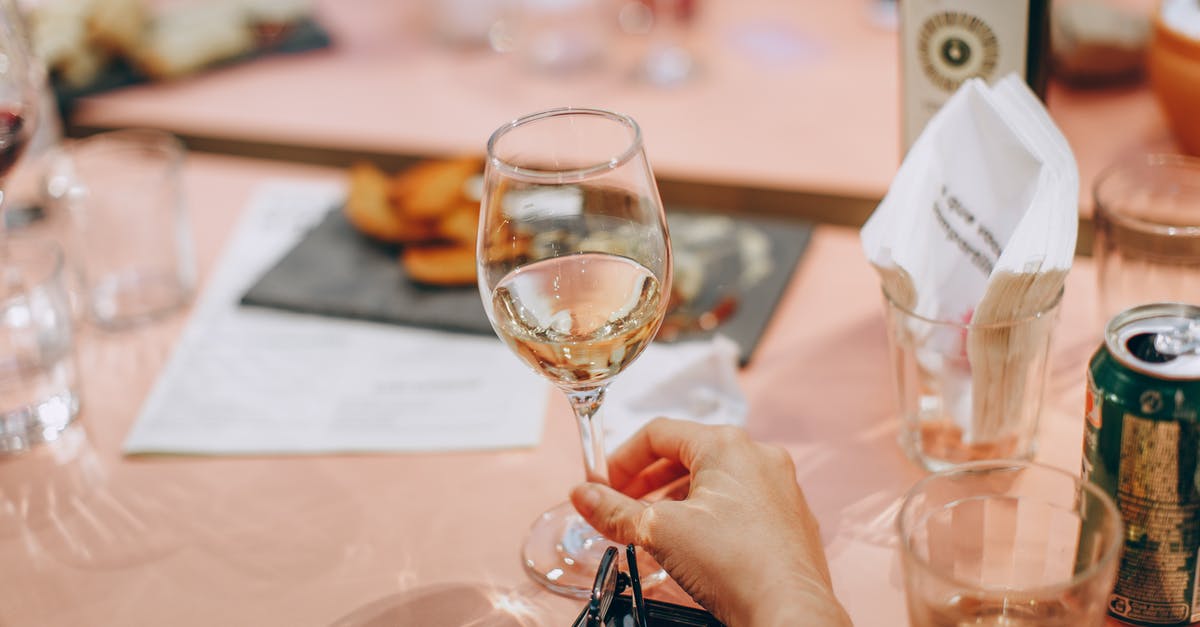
(613, 514)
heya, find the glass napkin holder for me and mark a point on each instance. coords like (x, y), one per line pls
(608, 607)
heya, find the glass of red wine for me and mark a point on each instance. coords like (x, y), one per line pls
(574, 265)
(19, 90)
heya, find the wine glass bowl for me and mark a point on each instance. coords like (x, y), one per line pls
(18, 88)
(612, 305)
(21, 77)
(574, 262)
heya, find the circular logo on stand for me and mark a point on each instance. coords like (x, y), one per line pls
(953, 47)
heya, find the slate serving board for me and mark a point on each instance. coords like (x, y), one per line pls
(335, 271)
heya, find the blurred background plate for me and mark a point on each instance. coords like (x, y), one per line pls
(300, 35)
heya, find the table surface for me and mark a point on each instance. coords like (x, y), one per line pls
(88, 536)
(800, 97)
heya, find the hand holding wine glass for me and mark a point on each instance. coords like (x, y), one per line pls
(574, 270)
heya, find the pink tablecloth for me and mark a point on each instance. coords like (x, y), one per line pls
(88, 537)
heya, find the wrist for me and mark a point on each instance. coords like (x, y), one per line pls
(792, 603)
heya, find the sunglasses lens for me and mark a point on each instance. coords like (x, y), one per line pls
(604, 588)
(610, 588)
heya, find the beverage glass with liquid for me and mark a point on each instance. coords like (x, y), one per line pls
(39, 387)
(1008, 543)
(575, 265)
(968, 391)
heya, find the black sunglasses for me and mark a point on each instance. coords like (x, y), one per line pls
(610, 582)
(607, 607)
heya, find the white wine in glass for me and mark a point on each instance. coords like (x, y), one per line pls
(574, 270)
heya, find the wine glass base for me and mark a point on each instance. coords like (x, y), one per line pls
(667, 66)
(563, 553)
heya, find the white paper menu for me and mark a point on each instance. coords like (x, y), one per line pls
(257, 381)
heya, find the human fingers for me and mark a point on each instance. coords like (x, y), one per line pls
(660, 438)
(613, 514)
(677, 490)
(654, 477)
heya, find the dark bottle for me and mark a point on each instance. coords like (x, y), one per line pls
(945, 42)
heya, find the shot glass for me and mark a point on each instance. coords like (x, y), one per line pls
(1147, 220)
(967, 391)
(39, 388)
(1008, 543)
(130, 233)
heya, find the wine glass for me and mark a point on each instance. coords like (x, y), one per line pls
(668, 59)
(574, 265)
(19, 84)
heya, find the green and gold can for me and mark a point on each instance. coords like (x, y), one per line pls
(1141, 445)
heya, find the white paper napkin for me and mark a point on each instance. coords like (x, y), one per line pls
(688, 380)
(979, 225)
(989, 190)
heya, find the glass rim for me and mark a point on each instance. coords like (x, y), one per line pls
(1048, 309)
(1152, 161)
(1112, 549)
(165, 142)
(567, 174)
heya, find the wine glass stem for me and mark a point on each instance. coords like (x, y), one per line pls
(591, 432)
(4, 226)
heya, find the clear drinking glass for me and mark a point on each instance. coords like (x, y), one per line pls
(559, 36)
(1008, 543)
(123, 191)
(574, 269)
(1147, 248)
(669, 58)
(39, 393)
(969, 391)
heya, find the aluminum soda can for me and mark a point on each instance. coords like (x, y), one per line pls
(1141, 444)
